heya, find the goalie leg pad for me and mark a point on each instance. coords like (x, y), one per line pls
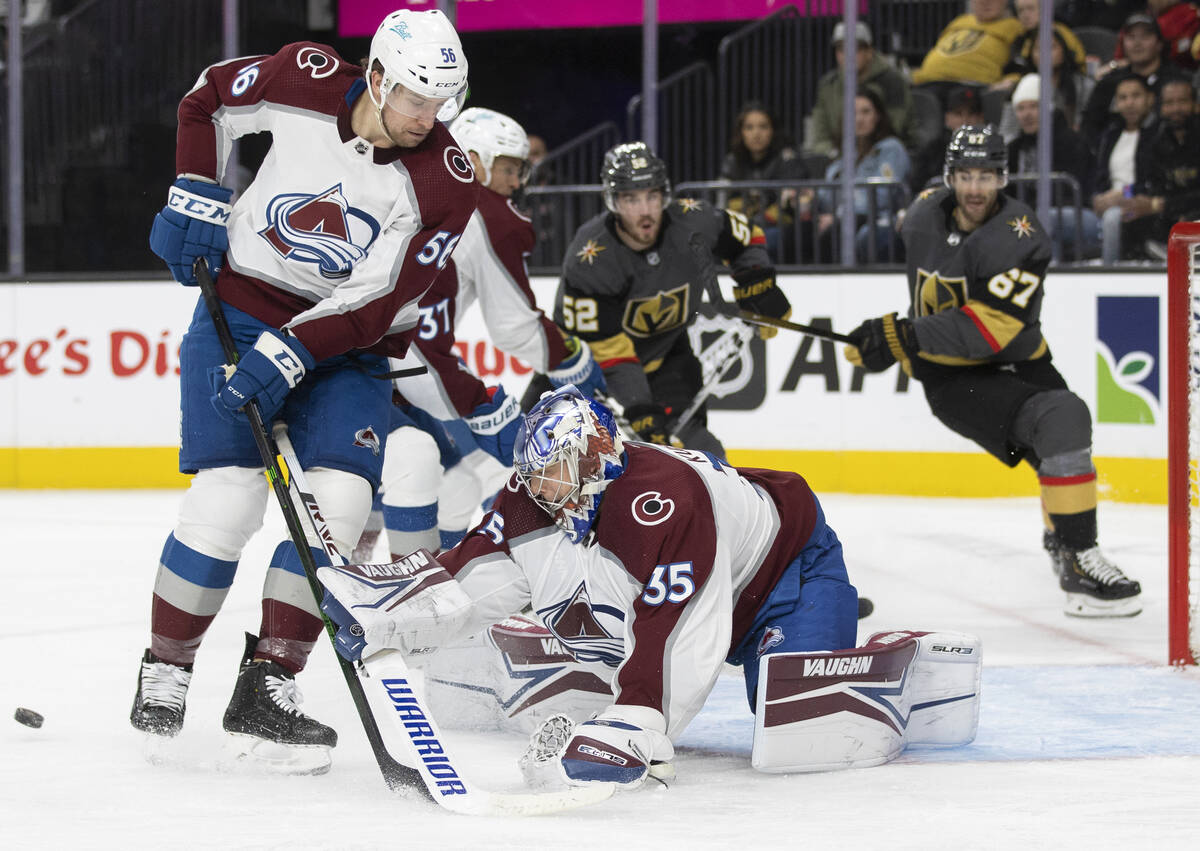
(860, 707)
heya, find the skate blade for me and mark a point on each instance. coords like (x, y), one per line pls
(1084, 606)
(250, 754)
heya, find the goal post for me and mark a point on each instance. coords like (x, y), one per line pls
(1183, 443)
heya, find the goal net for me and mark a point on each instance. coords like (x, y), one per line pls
(1183, 449)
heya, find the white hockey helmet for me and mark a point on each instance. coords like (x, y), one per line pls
(422, 52)
(491, 134)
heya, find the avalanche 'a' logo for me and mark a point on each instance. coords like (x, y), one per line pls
(321, 228)
(576, 623)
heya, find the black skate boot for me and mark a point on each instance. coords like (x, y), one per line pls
(1054, 548)
(161, 697)
(266, 705)
(1096, 588)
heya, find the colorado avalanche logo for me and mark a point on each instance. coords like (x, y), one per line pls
(575, 621)
(366, 438)
(651, 508)
(771, 638)
(322, 229)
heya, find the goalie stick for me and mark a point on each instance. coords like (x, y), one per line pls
(381, 688)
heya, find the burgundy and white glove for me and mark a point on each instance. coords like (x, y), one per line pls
(611, 748)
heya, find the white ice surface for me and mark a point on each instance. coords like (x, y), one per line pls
(1086, 739)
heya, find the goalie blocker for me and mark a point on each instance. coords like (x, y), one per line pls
(861, 707)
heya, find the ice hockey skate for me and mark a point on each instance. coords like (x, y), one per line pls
(1055, 550)
(161, 697)
(267, 730)
(1096, 588)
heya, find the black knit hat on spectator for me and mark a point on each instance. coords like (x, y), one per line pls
(862, 33)
(965, 97)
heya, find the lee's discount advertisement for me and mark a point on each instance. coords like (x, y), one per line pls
(95, 365)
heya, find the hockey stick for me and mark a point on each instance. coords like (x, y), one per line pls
(383, 689)
(823, 333)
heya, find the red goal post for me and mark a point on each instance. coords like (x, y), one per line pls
(1183, 442)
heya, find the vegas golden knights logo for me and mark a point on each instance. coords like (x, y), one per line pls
(645, 317)
(934, 294)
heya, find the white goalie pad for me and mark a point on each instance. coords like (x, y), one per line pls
(512, 676)
(410, 604)
(860, 707)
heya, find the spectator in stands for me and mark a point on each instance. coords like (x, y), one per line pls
(964, 107)
(1172, 192)
(1025, 50)
(879, 153)
(758, 151)
(1072, 87)
(973, 48)
(1121, 170)
(537, 149)
(1068, 225)
(826, 119)
(1179, 23)
(1140, 46)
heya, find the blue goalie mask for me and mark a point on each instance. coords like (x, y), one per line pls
(568, 450)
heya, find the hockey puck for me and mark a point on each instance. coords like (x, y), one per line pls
(865, 607)
(28, 717)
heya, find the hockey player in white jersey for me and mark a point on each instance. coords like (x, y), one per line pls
(321, 262)
(656, 566)
(418, 506)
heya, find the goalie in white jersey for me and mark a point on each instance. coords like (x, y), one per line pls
(654, 566)
(320, 265)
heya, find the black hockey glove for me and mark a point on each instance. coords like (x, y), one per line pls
(879, 343)
(756, 292)
(649, 421)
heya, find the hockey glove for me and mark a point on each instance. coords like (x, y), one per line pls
(649, 421)
(879, 343)
(265, 374)
(756, 292)
(495, 425)
(610, 749)
(408, 605)
(192, 225)
(579, 368)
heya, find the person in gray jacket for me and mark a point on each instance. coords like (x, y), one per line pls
(825, 131)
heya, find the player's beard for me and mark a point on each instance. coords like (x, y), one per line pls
(975, 208)
(644, 232)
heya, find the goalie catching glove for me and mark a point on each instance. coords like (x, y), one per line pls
(265, 374)
(192, 225)
(755, 291)
(879, 343)
(408, 605)
(613, 748)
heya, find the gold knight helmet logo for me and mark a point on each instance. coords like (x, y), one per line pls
(934, 294)
(645, 317)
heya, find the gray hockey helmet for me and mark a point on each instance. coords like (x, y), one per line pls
(630, 167)
(976, 147)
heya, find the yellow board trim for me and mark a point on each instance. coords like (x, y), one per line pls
(900, 473)
(948, 474)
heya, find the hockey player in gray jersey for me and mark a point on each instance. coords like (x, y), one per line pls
(633, 278)
(976, 263)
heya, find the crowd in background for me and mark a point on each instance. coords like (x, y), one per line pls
(1125, 126)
